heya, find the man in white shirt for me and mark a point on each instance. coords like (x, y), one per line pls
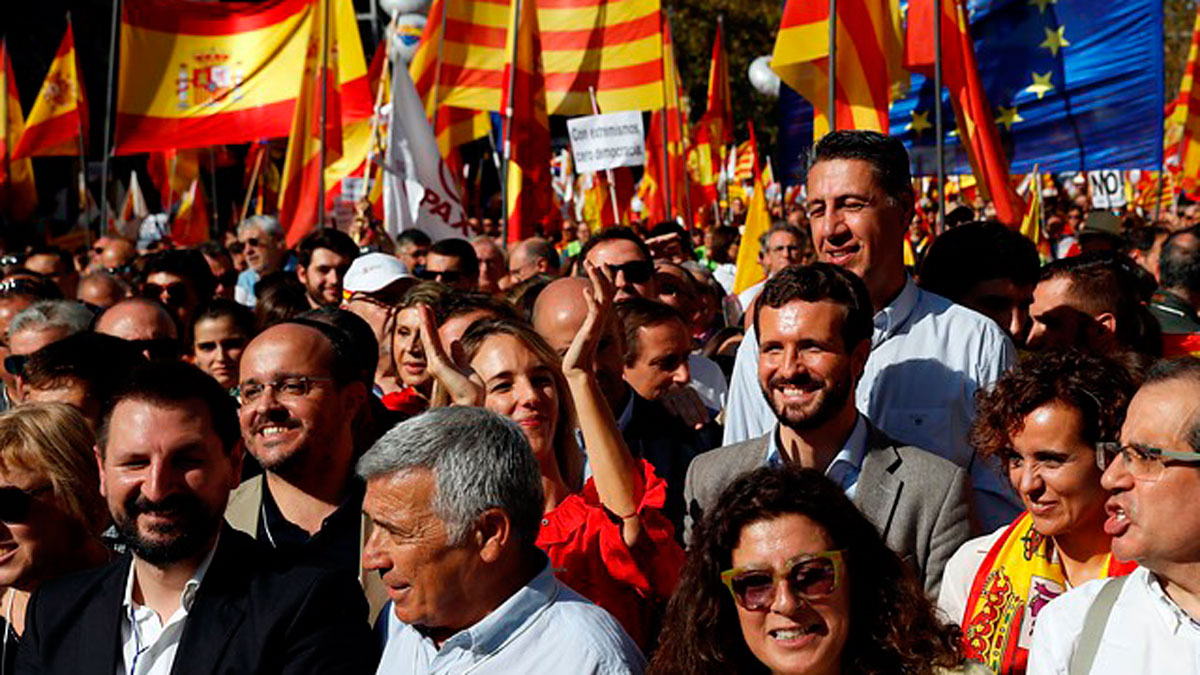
(193, 596)
(928, 355)
(782, 245)
(456, 498)
(1149, 622)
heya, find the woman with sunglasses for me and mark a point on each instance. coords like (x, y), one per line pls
(1043, 421)
(786, 576)
(608, 540)
(51, 511)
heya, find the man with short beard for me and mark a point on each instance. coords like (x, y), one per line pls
(192, 592)
(814, 336)
(302, 389)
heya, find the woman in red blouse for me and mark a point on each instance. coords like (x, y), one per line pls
(607, 540)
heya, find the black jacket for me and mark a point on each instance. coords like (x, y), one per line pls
(251, 615)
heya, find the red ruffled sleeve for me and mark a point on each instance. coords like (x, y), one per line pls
(406, 401)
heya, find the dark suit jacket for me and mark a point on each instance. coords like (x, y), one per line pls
(250, 616)
(917, 500)
(669, 446)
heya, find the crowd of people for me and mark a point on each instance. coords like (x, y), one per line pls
(906, 450)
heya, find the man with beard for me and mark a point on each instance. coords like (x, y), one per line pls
(814, 333)
(191, 593)
(302, 389)
(322, 260)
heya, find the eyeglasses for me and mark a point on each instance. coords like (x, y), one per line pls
(176, 294)
(1142, 462)
(254, 242)
(810, 576)
(237, 247)
(288, 387)
(15, 503)
(635, 271)
(158, 349)
(15, 364)
(444, 276)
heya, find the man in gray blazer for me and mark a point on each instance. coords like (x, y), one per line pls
(814, 327)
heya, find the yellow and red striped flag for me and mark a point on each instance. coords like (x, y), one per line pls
(303, 173)
(715, 128)
(744, 168)
(527, 127)
(611, 45)
(670, 129)
(976, 122)
(58, 122)
(868, 59)
(1187, 113)
(171, 172)
(229, 72)
(190, 227)
(758, 221)
(18, 194)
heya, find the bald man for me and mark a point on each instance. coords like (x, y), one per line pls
(530, 258)
(558, 315)
(101, 289)
(117, 254)
(145, 322)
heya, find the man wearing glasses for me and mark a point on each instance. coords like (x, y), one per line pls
(301, 392)
(262, 239)
(1148, 622)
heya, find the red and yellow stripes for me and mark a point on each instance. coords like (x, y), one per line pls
(527, 127)
(611, 45)
(976, 122)
(229, 71)
(868, 59)
(59, 118)
(1187, 112)
(657, 187)
(452, 126)
(18, 195)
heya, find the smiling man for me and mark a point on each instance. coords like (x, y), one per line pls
(1148, 622)
(928, 356)
(322, 260)
(456, 499)
(814, 332)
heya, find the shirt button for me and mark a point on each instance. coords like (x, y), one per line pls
(545, 522)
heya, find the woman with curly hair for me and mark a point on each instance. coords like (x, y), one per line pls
(1043, 421)
(785, 575)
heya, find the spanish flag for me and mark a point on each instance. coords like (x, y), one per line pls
(303, 177)
(611, 45)
(868, 59)
(59, 119)
(976, 121)
(667, 131)
(171, 172)
(1187, 112)
(527, 128)
(190, 227)
(225, 72)
(758, 221)
(18, 195)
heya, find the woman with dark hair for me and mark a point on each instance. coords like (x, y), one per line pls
(1043, 421)
(605, 537)
(220, 331)
(848, 604)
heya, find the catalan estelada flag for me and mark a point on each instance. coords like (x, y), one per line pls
(303, 171)
(611, 45)
(1187, 113)
(18, 194)
(868, 59)
(960, 72)
(527, 128)
(225, 72)
(59, 118)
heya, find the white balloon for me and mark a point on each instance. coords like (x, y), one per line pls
(406, 35)
(762, 77)
(396, 7)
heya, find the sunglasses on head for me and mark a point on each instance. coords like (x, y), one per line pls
(809, 576)
(15, 503)
(15, 364)
(635, 271)
(176, 294)
(444, 276)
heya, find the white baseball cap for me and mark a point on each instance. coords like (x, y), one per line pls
(374, 272)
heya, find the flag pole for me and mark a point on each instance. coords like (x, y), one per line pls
(665, 126)
(938, 130)
(324, 103)
(253, 181)
(215, 224)
(832, 95)
(612, 187)
(374, 131)
(87, 230)
(508, 116)
(112, 66)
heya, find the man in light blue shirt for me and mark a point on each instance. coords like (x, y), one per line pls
(456, 500)
(814, 324)
(928, 356)
(266, 253)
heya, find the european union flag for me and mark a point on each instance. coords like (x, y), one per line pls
(1075, 85)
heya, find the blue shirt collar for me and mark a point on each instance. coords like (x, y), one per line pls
(846, 464)
(507, 621)
(890, 319)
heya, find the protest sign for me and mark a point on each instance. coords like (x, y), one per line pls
(600, 142)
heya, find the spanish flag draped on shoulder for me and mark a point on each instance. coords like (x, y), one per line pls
(195, 74)
(18, 194)
(59, 118)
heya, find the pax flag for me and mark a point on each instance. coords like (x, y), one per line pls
(195, 74)
(59, 118)
(868, 59)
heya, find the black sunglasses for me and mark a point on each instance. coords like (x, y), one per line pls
(237, 247)
(176, 293)
(636, 271)
(16, 503)
(15, 364)
(445, 276)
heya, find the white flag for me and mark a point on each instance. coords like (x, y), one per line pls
(418, 189)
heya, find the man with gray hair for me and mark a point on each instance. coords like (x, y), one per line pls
(262, 238)
(780, 246)
(38, 325)
(455, 496)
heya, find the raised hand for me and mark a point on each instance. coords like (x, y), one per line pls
(581, 355)
(462, 385)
